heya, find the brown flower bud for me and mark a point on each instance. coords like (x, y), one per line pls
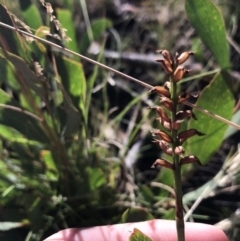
(181, 115)
(183, 57)
(166, 55)
(164, 146)
(167, 103)
(167, 85)
(163, 163)
(160, 90)
(176, 125)
(184, 135)
(166, 65)
(164, 136)
(179, 150)
(165, 124)
(179, 73)
(183, 97)
(190, 159)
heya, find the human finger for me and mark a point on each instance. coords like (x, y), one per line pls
(157, 230)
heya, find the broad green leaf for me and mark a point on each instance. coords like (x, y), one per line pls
(73, 88)
(30, 14)
(65, 18)
(74, 81)
(137, 235)
(209, 24)
(136, 215)
(218, 99)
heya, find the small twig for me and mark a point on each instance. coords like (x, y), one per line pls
(163, 186)
(65, 50)
(14, 108)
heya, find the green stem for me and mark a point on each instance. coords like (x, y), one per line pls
(177, 171)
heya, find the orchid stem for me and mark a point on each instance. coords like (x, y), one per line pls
(177, 171)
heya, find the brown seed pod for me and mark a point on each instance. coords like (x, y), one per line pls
(161, 113)
(167, 103)
(183, 57)
(166, 65)
(190, 159)
(179, 73)
(184, 135)
(166, 55)
(164, 136)
(160, 90)
(163, 163)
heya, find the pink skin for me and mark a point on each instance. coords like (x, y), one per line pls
(157, 230)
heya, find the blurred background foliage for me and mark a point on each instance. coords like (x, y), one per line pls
(75, 143)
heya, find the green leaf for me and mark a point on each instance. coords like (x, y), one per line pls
(51, 169)
(13, 135)
(218, 99)
(21, 122)
(24, 75)
(209, 24)
(65, 18)
(30, 14)
(73, 80)
(96, 178)
(73, 87)
(135, 214)
(137, 235)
